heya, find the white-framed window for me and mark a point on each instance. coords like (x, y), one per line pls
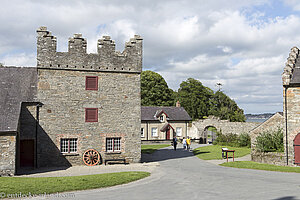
(154, 132)
(113, 144)
(142, 132)
(68, 145)
(161, 118)
(179, 131)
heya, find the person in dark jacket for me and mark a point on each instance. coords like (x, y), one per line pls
(174, 142)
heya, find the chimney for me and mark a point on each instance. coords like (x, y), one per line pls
(177, 104)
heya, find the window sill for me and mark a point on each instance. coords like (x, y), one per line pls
(70, 154)
(116, 152)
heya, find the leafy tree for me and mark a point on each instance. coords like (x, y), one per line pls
(225, 108)
(199, 101)
(195, 98)
(155, 91)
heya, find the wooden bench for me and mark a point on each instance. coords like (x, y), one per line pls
(115, 160)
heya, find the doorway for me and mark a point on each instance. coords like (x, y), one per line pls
(168, 134)
(297, 149)
(26, 153)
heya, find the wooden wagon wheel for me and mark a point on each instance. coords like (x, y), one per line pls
(91, 157)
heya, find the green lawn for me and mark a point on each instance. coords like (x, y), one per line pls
(214, 152)
(260, 166)
(42, 185)
(152, 148)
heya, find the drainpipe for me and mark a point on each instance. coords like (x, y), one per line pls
(286, 126)
(186, 128)
(36, 132)
(147, 130)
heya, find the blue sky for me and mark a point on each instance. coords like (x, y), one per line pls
(240, 43)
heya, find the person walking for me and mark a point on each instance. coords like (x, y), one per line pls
(184, 143)
(174, 142)
(188, 143)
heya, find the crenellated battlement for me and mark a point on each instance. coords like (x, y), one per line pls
(106, 59)
(290, 65)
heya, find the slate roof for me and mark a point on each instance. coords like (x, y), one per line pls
(17, 85)
(174, 113)
(296, 76)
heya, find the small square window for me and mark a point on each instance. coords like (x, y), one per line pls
(91, 114)
(161, 118)
(179, 131)
(91, 82)
(113, 144)
(154, 132)
(68, 145)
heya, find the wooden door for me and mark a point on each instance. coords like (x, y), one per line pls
(26, 153)
(297, 149)
(168, 134)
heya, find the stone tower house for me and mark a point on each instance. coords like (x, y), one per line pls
(75, 101)
(291, 107)
(68, 99)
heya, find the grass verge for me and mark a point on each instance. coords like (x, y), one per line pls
(260, 166)
(48, 185)
(214, 152)
(152, 148)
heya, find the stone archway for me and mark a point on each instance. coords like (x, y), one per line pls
(223, 126)
(210, 134)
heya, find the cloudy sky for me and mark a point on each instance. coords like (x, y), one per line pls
(240, 43)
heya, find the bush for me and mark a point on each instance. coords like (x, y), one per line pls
(233, 140)
(244, 140)
(270, 141)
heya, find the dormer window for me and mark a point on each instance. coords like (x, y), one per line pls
(161, 118)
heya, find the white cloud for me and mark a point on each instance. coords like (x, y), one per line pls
(295, 4)
(20, 59)
(213, 41)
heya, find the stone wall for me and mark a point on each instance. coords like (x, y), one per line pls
(8, 154)
(225, 126)
(62, 90)
(274, 158)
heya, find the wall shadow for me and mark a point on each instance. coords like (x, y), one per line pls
(47, 156)
(166, 154)
(286, 198)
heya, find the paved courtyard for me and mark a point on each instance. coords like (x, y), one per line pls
(180, 175)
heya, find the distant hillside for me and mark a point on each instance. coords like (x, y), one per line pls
(259, 116)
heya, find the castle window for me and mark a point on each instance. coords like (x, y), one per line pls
(113, 144)
(91, 115)
(68, 145)
(91, 82)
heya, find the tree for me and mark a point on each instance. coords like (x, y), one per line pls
(225, 108)
(155, 91)
(199, 101)
(195, 98)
